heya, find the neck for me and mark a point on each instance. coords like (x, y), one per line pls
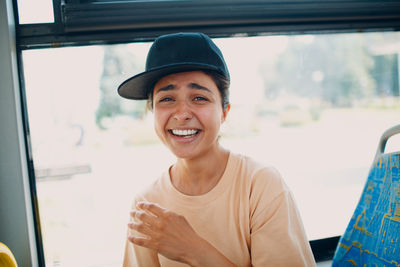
(198, 176)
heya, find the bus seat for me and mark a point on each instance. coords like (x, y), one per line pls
(372, 237)
(6, 257)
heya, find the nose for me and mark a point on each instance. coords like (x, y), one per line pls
(182, 112)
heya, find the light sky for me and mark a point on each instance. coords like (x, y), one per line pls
(35, 11)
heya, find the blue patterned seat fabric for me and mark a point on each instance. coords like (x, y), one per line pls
(372, 237)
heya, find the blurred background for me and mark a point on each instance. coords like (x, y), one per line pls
(313, 106)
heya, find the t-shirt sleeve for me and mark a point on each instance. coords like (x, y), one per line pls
(277, 233)
(137, 256)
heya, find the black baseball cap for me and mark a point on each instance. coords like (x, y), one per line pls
(173, 53)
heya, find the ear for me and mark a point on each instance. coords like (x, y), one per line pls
(225, 113)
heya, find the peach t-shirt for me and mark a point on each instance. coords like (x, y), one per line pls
(250, 216)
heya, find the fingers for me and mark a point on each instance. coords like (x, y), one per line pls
(141, 227)
(151, 207)
(161, 230)
(144, 217)
(145, 225)
(149, 219)
(141, 241)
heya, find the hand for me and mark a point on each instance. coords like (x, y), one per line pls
(164, 231)
(171, 235)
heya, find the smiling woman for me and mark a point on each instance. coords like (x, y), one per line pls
(191, 103)
(252, 218)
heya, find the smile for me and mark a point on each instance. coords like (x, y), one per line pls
(184, 133)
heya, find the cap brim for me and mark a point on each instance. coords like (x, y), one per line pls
(139, 86)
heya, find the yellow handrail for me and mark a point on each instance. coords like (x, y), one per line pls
(6, 257)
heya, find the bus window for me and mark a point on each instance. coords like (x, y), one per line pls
(314, 106)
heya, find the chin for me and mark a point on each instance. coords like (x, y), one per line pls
(188, 154)
(182, 155)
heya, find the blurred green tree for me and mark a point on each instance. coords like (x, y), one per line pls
(335, 68)
(119, 63)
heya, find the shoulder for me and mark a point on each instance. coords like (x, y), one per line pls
(154, 192)
(260, 178)
(265, 190)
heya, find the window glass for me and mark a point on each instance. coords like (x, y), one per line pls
(38, 11)
(313, 106)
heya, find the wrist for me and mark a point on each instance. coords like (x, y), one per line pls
(194, 256)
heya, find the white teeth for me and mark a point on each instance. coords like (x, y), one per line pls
(184, 132)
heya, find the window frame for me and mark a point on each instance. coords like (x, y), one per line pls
(85, 22)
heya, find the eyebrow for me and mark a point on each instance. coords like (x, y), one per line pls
(166, 88)
(199, 87)
(191, 86)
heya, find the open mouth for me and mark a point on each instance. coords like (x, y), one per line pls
(184, 133)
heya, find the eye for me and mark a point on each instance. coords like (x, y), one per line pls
(200, 98)
(165, 99)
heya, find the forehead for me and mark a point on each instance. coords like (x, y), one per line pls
(185, 78)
